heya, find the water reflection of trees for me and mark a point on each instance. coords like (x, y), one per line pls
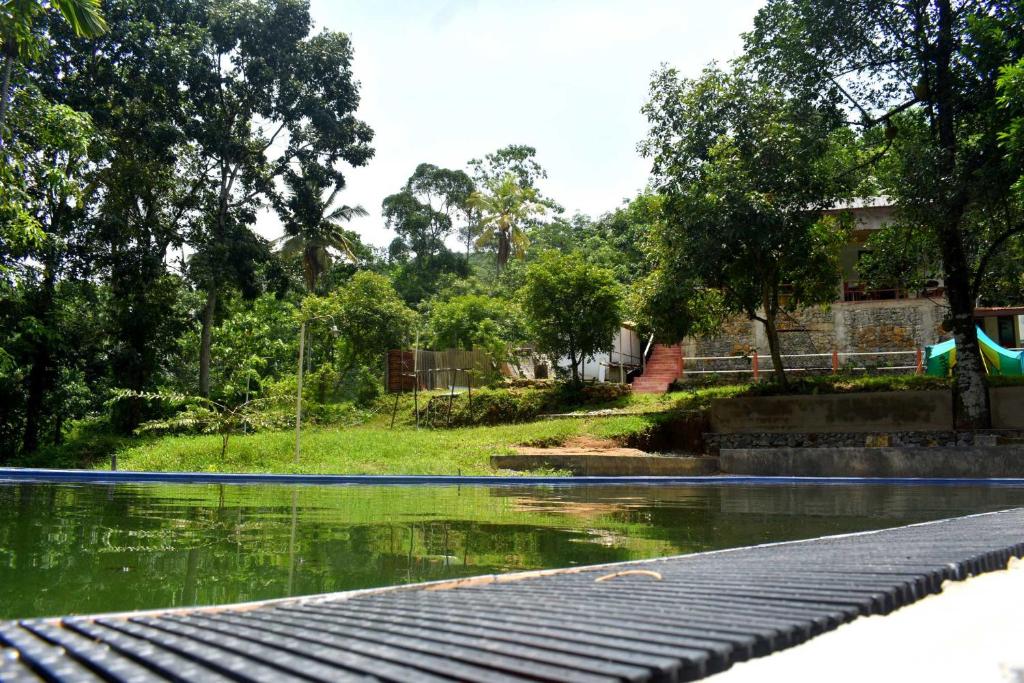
(75, 549)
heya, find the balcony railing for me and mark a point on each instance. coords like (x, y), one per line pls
(911, 360)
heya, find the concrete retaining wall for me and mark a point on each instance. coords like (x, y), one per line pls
(1007, 407)
(904, 411)
(974, 461)
(610, 465)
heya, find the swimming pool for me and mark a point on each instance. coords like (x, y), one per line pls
(73, 548)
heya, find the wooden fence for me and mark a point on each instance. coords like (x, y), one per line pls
(435, 369)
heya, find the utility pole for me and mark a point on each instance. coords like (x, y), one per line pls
(298, 394)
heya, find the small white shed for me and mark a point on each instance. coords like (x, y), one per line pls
(626, 354)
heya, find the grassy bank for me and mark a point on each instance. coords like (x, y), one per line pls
(372, 447)
(367, 449)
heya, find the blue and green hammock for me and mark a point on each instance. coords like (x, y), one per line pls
(939, 359)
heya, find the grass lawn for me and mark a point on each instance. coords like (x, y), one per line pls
(372, 447)
(367, 449)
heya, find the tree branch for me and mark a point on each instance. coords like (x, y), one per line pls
(999, 241)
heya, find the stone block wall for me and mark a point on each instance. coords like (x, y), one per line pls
(884, 411)
(861, 327)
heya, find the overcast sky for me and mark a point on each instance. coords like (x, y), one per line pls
(444, 81)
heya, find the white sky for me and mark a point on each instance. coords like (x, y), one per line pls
(444, 81)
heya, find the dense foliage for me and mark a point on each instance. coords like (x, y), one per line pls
(745, 171)
(140, 140)
(573, 308)
(923, 79)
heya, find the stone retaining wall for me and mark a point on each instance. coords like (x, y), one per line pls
(967, 462)
(715, 443)
(889, 411)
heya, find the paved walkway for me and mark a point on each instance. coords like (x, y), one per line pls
(972, 631)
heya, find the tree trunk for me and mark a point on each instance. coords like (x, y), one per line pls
(770, 302)
(771, 331)
(575, 368)
(206, 342)
(5, 93)
(37, 385)
(971, 390)
(504, 250)
(39, 374)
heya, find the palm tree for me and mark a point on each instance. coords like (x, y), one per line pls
(17, 41)
(313, 228)
(505, 210)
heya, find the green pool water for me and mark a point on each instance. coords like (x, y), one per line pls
(74, 549)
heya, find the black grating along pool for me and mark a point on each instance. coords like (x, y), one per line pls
(87, 548)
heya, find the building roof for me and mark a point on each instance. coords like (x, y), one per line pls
(992, 311)
(880, 202)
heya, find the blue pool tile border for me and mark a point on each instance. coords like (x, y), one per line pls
(40, 475)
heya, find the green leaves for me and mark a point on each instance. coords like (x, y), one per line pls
(202, 415)
(84, 16)
(478, 321)
(312, 222)
(573, 307)
(505, 209)
(745, 169)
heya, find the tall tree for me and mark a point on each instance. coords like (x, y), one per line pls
(521, 162)
(148, 177)
(52, 149)
(263, 79)
(745, 171)
(926, 71)
(506, 207)
(424, 213)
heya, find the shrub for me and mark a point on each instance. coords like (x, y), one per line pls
(503, 406)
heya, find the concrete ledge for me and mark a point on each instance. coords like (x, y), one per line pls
(972, 461)
(588, 464)
(1007, 407)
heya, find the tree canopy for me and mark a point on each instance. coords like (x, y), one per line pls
(927, 74)
(573, 308)
(746, 171)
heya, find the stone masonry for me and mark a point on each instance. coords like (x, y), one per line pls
(863, 327)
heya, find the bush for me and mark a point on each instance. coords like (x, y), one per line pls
(842, 384)
(504, 406)
(337, 414)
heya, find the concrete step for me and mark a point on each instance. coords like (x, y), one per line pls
(651, 389)
(597, 465)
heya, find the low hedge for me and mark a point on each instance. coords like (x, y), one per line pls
(505, 406)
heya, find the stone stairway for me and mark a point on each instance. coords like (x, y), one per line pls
(662, 369)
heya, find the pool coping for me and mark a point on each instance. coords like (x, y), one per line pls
(42, 475)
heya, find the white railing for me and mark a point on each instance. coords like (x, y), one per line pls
(755, 364)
